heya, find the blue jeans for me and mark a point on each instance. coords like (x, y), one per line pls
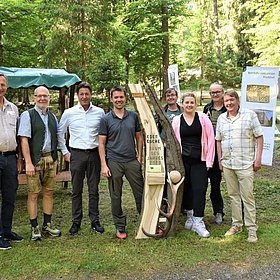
(8, 187)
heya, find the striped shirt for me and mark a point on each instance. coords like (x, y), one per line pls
(238, 138)
(8, 126)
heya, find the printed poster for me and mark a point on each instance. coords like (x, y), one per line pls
(173, 77)
(259, 92)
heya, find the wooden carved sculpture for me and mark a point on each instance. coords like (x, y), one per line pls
(155, 171)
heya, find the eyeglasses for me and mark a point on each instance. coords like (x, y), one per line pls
(215, 92)
(41, 96)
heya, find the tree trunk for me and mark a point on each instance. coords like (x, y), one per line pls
(216, 30)
(165, 46)
(173, 155)
(1, 45)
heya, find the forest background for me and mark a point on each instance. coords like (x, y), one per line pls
(125, 41)
(116, 42)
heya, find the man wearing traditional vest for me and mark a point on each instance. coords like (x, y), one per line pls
(38, 133)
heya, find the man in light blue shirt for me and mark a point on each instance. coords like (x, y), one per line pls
(82, 121)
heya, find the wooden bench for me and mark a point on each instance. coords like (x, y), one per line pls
(62, 176)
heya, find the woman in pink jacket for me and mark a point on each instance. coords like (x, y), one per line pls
(195, 134)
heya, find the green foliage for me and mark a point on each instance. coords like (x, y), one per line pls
(264, 33)
(20, 33)
(140, 34)
(78, 32)
(107, 42)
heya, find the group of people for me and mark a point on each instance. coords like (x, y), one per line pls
(32, 141)
(112, 144)
(222, 138)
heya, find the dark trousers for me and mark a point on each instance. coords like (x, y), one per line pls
(132, 171)
(85, 164)
(195, 186)
(215, 176)
(8, 187)
(1, 228)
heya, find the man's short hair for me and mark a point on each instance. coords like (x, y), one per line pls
(5, 77)
(117, 88)
(216, 84)
(169, 90)
(84, 85)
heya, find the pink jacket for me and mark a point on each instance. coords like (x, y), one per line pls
(207, 137)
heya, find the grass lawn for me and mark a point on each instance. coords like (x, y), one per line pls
(92, 256)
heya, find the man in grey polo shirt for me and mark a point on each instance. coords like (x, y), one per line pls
(117, 133)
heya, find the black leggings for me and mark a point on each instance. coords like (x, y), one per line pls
(195, 185)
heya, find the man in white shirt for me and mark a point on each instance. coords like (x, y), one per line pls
(82, 121)
(10, 164)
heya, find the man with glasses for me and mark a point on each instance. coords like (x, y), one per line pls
(213, 110)
(10, 164)
(38, 133)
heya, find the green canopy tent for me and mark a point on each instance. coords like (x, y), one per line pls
(32, 77)
(56, 79)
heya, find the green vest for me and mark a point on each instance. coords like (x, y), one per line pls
(38, 131)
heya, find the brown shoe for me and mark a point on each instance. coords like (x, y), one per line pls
(233, 230)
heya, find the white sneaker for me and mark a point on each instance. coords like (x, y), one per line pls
(200, 229)
(189, 223)
(252, 236)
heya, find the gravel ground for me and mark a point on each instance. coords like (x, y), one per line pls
(265, 273)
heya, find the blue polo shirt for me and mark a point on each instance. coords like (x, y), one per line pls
(120, 144)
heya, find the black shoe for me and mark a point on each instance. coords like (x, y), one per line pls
(12, 236)
(97, 227)
(74, 229)
(4, 244)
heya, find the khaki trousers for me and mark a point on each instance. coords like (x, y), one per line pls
(240, 189)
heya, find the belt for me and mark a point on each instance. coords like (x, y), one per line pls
(4, 154)
(46, 154)
(84, 150)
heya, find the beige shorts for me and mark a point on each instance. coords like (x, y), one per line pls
(45, 172)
